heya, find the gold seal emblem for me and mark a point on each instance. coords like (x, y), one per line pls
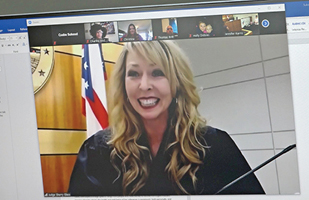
(42, 63)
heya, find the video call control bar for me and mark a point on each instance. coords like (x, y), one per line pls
(226, 25)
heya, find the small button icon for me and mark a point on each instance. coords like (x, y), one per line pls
(265, 23)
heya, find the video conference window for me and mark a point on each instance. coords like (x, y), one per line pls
(140, 30)
(101, 32)
(242, 92)
(165, 28)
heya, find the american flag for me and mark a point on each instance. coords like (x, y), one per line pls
(93, 88)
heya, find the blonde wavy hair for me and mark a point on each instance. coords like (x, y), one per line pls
(188, 149)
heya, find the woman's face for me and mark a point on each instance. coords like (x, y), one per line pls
(99, 34)
(148, 89)
(209, 28)
(132, 30)
(202, 26)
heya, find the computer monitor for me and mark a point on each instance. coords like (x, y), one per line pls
(239, 57)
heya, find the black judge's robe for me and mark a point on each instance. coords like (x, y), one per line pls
(94, 175)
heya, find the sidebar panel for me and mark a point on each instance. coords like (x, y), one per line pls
(7, 172)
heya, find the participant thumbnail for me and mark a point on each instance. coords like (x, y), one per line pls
(242, 24)
(68, 34)
(165, 28)
(199, 27)
(100, 32)
(139, 30)
(204, 28)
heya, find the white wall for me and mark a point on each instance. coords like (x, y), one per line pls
(247, 92)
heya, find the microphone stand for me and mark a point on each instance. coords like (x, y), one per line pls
(287, 149)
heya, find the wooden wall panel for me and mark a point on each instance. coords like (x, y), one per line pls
(58, 106)
(70, 49)
(109, 68)
(56, 171)
(111, 51)
(58, 103)
(61, 141)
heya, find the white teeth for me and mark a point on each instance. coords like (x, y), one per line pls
(148, 102)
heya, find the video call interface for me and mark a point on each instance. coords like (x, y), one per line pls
(241, 66)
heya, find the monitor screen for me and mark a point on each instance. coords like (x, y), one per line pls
(156, 103)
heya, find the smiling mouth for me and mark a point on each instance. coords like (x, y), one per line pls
(148, 102)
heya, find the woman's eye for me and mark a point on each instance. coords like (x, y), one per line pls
(157, 72)
(133, 73)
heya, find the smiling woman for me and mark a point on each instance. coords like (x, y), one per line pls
(157, 143)
(149, 93)
(132, 34)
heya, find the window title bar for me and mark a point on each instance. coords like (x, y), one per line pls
(157, 14)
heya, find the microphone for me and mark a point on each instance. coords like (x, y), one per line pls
(287, 149)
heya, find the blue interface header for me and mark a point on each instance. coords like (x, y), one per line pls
(13, 26)
(297, 9)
